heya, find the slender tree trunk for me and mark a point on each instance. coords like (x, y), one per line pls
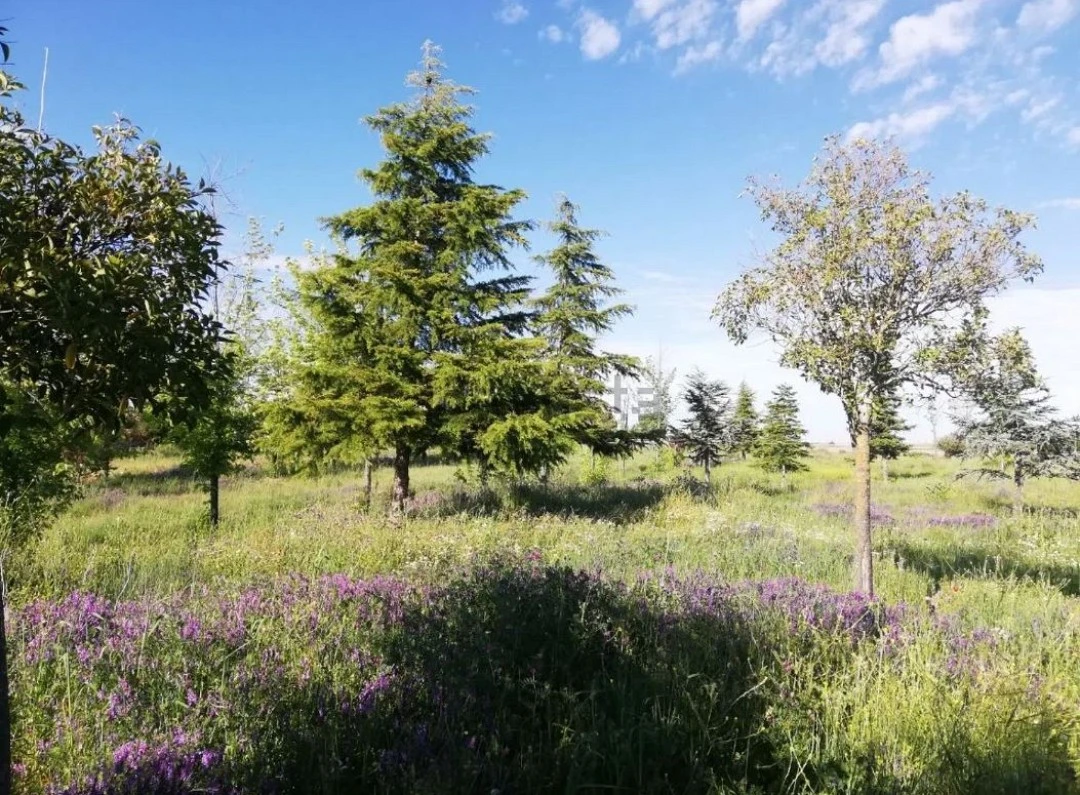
(1018, 489)
(400, 492)
(215, 499)
(708, 471)
(864, 561)
(5, 703)
(885, 469)
(368, 471)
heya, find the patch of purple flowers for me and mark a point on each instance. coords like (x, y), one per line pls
(833, 510)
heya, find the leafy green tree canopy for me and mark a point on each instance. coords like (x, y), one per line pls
(874, 284)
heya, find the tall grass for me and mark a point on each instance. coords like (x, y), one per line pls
(710, 646)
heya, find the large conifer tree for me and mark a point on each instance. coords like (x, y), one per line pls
(574, 311)
(419, 303)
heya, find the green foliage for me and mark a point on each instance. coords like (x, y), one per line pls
(1013, 422)
(409, 323)
(886, 429)
(745, 423)
(705, 434)
(35, 479)
(781, 445)
(102, 296)
(951, 445)
(874, 285)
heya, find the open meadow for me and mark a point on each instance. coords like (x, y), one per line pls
(621, 629)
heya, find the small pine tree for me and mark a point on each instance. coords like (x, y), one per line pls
(745, 423)
(886, 432)
(706, 433)
(781, 446)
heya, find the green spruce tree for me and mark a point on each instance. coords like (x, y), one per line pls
(409, 324)
(705, 434)
(887, 429)
(781, 445)
(744, 422)
(570, 315)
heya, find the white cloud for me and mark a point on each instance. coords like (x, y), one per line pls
(826, 33)
(697, 55)
(845, 40)
(1073, 136)
(1063, 204)
(511, 12)
(553, 34)
(647, 9)
(911, 125)
(599, 37)
(752, 14)
(922, 86)
(1037, 109)
(1047, 15)
(677, 23)
(948, 30)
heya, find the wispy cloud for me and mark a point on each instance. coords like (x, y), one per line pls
(673, 23)
(511, 12)
(1047, 15)
(553, 34)
(910, 126)
(695, 56)
(599, 36)
(1072, 203)
(752, 14)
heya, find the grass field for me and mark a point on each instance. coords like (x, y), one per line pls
(618, 630)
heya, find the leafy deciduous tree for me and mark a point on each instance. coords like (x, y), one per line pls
(874, 285)
(105, 264)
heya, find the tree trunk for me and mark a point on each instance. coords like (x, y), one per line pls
(368, 470)
(708, 471)
(215, 500)
(400, 492)
(5, 704)
(864, 561)
(885, 469)
(1018, 489)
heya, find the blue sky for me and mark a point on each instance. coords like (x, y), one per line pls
(648, 113)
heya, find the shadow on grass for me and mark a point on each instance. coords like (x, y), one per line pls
(545, 679)
(174, 480)
(943, 564)
(522, 678)
(621, 504)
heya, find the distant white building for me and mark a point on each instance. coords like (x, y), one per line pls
(629, 400)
